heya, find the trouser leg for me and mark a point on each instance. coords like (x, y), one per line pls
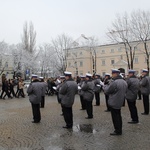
(68, 116)
(42, 101)
(83, 105)
(36, 112)
(117, 119)
(89, 109)
(97, 97)
(146, 103)
(133, 110)
(106, 98)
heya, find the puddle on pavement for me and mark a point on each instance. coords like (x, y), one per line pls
(87, 128)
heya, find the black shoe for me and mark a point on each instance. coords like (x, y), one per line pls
(96, 105)
(133, 122)
(42, 106)
(67, 127)
(115, 133)
(88, 117)
(144, 114)
(35, 121)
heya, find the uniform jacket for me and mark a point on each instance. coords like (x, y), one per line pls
(116, 91)
(44, 86)
(133, 88)
(35, 92)
(80, 92)
(68, 90)
(97, 86)
(144, 85)
(87, 88)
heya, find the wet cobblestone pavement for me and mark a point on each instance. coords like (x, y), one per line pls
(18, 133)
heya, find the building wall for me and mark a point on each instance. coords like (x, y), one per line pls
(107, 57)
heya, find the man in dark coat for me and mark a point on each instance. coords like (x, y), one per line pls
(68, 91)
(35, 92)
(44, 86)
(145, 88)
(131, 95)
(116, 91)
(80, 92)
(88, 95)
(97, 89)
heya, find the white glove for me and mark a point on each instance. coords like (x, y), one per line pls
(79, 88)
(101, 83)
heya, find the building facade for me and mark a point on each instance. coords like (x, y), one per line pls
(103, 58)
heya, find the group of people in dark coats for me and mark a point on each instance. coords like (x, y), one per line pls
(115, 87)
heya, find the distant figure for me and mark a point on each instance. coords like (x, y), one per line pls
(68, 90)
(35, 93)
(145, 89)
(88, 95)
(131, 95)
(116, 91)
(44, 86)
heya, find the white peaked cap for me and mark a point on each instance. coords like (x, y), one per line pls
(107, 74)
(67, 73)
(88, 75)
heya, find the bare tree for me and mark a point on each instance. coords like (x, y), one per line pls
(140, 21)
(29, 46)
(61, 45)
(121, 33)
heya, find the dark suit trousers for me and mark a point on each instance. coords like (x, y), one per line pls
(146, 103)
(89, 109)
(42, 101)
(133, 110)
(106, 98)
(97, 97)
(117, 119)
(36, 112)
(83, 103)
(68, 116)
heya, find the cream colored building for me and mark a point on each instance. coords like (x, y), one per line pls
(7, 65)
(80, 60)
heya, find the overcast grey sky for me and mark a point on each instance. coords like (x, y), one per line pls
(54, 17)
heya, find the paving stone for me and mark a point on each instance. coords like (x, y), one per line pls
(18, 133)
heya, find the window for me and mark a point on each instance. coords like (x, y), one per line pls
(135, 48)
(81, 63)
(69, 54)
(103, 74)
(136, 60)
(69, 64)
(103, 51)
(6, 64)
(112, 62)
(103, 62)
(0, 63)
(81, 53)
(119, 49)
(145, 60)
(112, 51)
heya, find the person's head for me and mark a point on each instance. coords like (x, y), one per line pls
(82, 78)
(88, 76)
(97, 76)
(67, 75)
(115, 73)
(62, 78)
(144, 72)
(131, 73)
(107, 76)
(34, 77)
